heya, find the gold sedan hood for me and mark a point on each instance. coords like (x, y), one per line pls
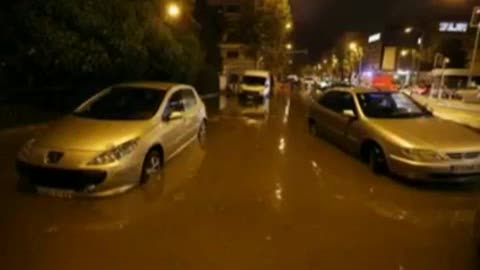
(428, 133)
(75, 133)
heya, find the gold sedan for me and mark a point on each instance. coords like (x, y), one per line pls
(391, 132)
(119, 138)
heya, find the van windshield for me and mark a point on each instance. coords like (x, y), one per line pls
(254, 80)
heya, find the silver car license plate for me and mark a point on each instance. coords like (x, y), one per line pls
(59, 193)
(466, 168)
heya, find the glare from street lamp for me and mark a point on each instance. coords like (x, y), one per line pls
(446, 60)
(325, 61)
(408, 30)
(288, 26)
(353, 46)
(404, 53)
(289, 46)
(173, 10)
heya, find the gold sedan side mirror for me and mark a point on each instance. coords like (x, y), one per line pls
(349, 113)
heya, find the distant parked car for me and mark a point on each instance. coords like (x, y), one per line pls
(117, 139)
(255, 83)
(470, 95)
(392, 133)
(309, 82)
(292, 78)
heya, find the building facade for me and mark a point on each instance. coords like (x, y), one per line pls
(236, 55)
(409, 52)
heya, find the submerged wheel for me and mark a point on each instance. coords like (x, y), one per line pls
(151, 165)
(202, 134)
(313, 128)
(376, 160)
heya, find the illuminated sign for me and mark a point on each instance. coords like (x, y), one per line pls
(453, 27)
(374, 37)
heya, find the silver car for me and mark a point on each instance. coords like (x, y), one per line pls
(119, 138)
(391, 132)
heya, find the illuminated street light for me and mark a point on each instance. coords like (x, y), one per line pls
(408, 30)
(353, 46)
(404, 53)
(420, 41)
(325, 61)
(446, 60)
(288, 26)
(289, 46)
(173, 10)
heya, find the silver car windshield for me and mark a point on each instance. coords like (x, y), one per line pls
(390, 105)
(123, 103)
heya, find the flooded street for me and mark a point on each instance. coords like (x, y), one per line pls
(262, 194)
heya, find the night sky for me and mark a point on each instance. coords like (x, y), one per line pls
(318, 23)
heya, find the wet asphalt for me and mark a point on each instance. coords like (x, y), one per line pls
(262, 194)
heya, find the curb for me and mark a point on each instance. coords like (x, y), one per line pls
(209, 96)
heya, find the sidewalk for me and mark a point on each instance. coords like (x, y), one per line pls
(453, 110)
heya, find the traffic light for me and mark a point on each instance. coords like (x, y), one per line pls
(475, 17)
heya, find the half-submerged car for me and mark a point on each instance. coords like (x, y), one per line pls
(117, 139)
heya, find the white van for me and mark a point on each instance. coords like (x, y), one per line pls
(255, 83)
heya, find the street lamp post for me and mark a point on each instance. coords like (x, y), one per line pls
(475, 22)
(404, 53)
(442, 79)
(416, 67)
(353, 46)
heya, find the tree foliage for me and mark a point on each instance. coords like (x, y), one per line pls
(262, 27)
(69, 41)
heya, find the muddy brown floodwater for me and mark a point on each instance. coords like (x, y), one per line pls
(263, 194)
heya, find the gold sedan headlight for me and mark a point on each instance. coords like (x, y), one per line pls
(423, 155)
(115, 154)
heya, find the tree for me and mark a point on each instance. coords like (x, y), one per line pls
(65, 42)
(262, 28)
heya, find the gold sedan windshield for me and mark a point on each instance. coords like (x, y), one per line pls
(390, 105)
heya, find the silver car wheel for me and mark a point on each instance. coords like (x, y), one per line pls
(202, 134)
(151, 165)
(312, 128)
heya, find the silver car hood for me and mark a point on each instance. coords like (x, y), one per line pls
(75, 133)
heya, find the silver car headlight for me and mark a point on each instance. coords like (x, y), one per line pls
(423, 155)
(116, 153)
(27, 148)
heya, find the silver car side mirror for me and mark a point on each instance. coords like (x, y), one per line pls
(173, 116)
